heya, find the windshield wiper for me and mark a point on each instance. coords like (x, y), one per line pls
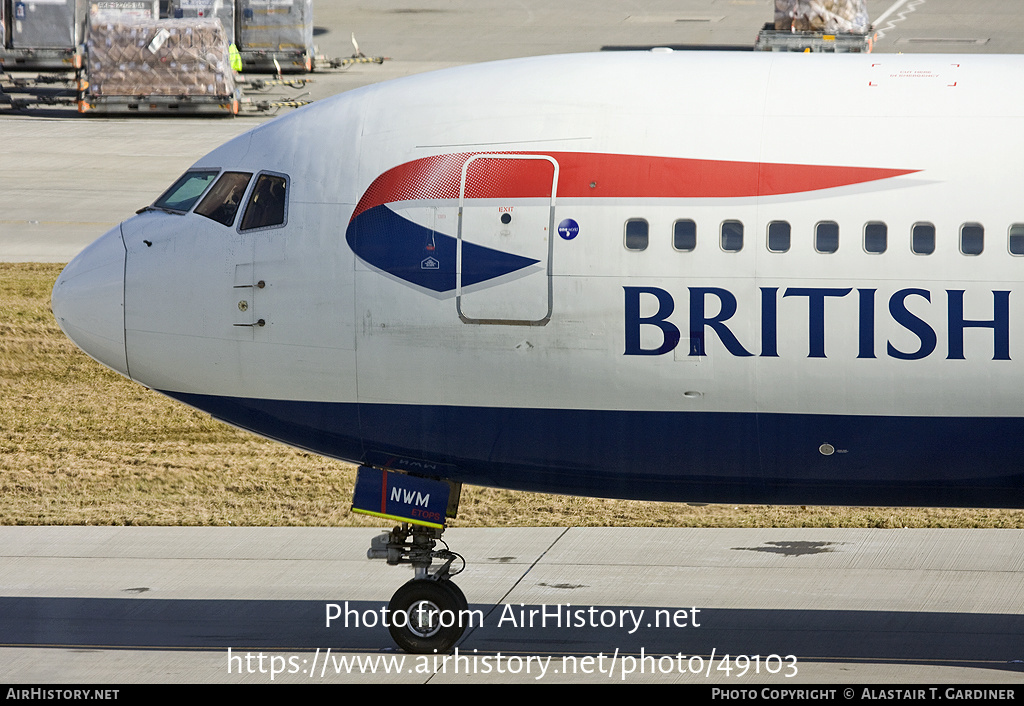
(158, 208)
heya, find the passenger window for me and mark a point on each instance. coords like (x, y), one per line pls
(268, 204)
(222, 203)
(826, 237)
(876, 236)
(636, 234)
(778, 236)
(684, 235)
(1017, 239)
(972, 239)
(922, 239)
(732, 236)
(184, 193)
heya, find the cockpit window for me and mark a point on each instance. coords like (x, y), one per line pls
(222, 203)
(267, 205)
(187, 190)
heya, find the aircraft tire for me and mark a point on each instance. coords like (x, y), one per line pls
(433, 616)
(463, 603)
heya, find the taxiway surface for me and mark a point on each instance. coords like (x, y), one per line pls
(156, 604)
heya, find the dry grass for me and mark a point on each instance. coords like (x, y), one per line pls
(81, 445)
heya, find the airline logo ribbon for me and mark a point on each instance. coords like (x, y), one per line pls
(423, 256)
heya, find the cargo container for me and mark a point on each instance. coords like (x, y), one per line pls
(124, 11)
(41, 34)
(275, 35)
(223, 10)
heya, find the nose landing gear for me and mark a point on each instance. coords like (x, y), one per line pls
(428, 613)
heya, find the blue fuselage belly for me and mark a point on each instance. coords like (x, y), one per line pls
(666, 456)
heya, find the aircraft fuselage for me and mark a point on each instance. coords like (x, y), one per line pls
(765, 278)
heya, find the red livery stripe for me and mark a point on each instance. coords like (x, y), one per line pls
(584, 174)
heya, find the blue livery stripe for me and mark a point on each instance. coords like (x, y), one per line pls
(670, 456)
(418, 255)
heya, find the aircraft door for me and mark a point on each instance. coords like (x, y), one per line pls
(258, 278)
(503, 263)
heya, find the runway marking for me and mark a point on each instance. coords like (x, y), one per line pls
(501, 601)
(902, 16)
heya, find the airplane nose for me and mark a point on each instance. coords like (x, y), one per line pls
(88, 301)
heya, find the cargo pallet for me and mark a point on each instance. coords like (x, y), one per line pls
(159, 105)
(771, 39)
(40, 59)
(276, 62)
(44, 89)
(72, 91)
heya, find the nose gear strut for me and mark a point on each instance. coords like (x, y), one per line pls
(428, 613)
(433, 609)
